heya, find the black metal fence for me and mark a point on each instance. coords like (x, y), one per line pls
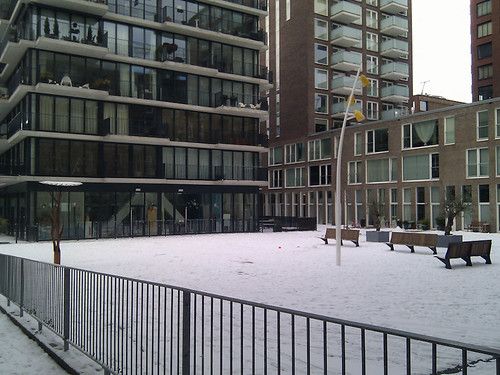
(133, 326)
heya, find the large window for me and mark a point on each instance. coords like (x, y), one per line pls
(321, 79)
(320, 175)
(484, 29)
(420, 134)
(484, 51)
(478, 162)
(380, 170)
(276, 178)
(358, 144)
(321, 7)
(483, 8)
(320, 29)
(449, 130)
(482, 125)
(321, 103)
(355, 172)
(377, 141)
(294, 153)
(320, 54)
(295, 177)
(485, 71)
(320, 149)
(497, 123)
(276, 156)
(420, 167)
(485, 92)
(484, 202)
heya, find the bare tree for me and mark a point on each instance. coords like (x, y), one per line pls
(452, 207)
(377, 211)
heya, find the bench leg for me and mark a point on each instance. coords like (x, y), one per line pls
(467, 261)
(341, 243)
(356, 243)
(325, 240)
(391, 246)
(446, 262)
(411, 247)
(487, 259)
(433, 248)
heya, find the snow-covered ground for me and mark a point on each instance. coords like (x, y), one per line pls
(411, 292)
(20, 355)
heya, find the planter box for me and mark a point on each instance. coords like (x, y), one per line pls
(374, 236)
(443, 240)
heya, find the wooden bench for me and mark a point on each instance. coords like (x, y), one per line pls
(479, 226)
(411, 240)
(466, 250)
(345, 234)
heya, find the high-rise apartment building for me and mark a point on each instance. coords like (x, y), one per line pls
(153, 106)
(315, 49)
(485, 49)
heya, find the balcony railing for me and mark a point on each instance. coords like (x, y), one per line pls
(343, 85)
(240, 101)
(257, 4)
(394, 48)
(345, 11)
(394, 6)
(339, 108)
(395, 93)
(346, 60)
(395, 113)
(395, 70)
(346, 36)
(222, 24)
(394, 25)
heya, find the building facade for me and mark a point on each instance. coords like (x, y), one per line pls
(409, 166)
(485, 49)
(316, 48)
(154, 106)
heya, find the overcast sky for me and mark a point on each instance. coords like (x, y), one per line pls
(441, 48)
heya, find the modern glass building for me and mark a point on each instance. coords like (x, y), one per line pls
(154, 106)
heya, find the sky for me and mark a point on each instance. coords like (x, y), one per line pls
(441, 48)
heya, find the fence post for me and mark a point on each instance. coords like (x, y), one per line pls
(66, 307)
(21, 294)
(186, 332)
(9, 277)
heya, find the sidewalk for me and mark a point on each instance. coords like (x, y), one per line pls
(20, 355)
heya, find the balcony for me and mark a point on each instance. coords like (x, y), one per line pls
(394, 6)
(345, 12)
(394, 26)
(394, 49)
(346, 61)
(338, 109)
(395, 113)
(395, 71)
(201, 23)
(255, 7)
(395, 94)
(343, 85)
(345, 36)
(95, 7)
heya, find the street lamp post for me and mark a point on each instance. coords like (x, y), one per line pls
(338, 209)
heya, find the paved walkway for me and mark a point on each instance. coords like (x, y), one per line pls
(21, 356)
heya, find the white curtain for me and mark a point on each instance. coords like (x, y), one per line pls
(425, 130)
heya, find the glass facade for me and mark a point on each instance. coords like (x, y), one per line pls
(84, 116)
(146, 167)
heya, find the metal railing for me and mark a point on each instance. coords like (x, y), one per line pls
(132, 326)
(112, 228)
